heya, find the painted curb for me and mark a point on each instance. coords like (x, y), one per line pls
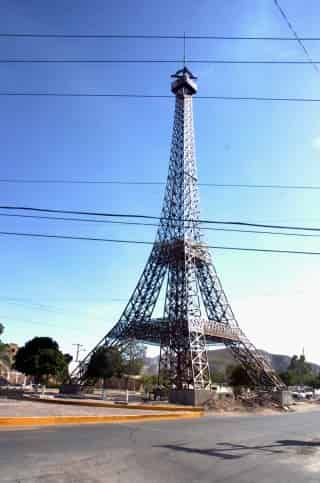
(145, 407)
(62, 420)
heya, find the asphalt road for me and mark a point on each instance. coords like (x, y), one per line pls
(277, 449)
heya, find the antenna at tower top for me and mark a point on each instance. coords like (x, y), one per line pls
(184, 49)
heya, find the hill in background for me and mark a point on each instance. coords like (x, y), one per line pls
(220, 359)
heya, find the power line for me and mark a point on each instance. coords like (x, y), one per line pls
(68, 300)
(157, 61)
(139, 242)
(149, 37)
(32, 322)
(28, 305)
(71, 237)
(296, 36)
(150, 217)
(72, 181)
(134, 223)
(48, 308)
(261, 186)
(159, 183)
(155, 96)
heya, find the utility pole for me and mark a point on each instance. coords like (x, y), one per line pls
(78, 351)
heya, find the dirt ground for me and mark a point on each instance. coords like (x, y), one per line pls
(258, 404)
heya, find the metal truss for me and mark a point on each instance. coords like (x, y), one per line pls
(196, 310)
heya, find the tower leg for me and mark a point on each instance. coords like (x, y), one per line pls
(199, 360)
(175, 366)
(253, 361)
(185, 366)
(138, 310)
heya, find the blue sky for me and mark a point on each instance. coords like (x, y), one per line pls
(75, 291)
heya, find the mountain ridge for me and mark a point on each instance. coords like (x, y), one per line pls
(220, 359)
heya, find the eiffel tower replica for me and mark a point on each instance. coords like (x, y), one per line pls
(196, 311)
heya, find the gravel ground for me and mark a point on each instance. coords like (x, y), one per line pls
(10, 408)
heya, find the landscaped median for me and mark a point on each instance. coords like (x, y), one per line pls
(111, 405)
(48, 412)
(61, 420)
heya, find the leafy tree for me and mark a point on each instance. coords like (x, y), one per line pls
(65, 371)
(41, 358)
(316, 382)
(218, 377)
(149, 381)
(1, 343)
(293, 363)
(68, 358)
(105, 363)
(133, 356)
(239, 377)
(299, 372)
(288, 378)
(124, 361)
(4, 354)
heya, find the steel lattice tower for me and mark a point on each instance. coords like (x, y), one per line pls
(196, 311)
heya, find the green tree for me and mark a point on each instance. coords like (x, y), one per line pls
(41, 358)
(65, 372)
(2, 345)
(288, 378)
(149, 381)
(105, 363)
(133, 355)
(299, 372)
(316, 382)
(237, 376)
(218, 377)
(68, 358)
(4, 354)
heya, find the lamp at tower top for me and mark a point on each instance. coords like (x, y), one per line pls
(184, 83)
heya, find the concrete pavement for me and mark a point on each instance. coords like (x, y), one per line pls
(9, 408)
(278, 449)
(31, 413)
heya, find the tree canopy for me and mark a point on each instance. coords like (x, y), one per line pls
(107, 362)
(2, 345)
(4, 355)
(299, 372)
(133, 356)
(41, 358)
(237, 376)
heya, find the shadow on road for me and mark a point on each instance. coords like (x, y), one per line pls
(229, 451)
(294, 442)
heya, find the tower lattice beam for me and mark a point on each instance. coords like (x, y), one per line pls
(196, 311)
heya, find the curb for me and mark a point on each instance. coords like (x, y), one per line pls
(62, 420)
(145, 407)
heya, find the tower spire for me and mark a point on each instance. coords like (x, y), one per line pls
(196, 311)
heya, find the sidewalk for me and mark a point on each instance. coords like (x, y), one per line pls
(29, 408)
(35, 413)
(95, 402)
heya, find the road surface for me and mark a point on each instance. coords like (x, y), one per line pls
(247, 449)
